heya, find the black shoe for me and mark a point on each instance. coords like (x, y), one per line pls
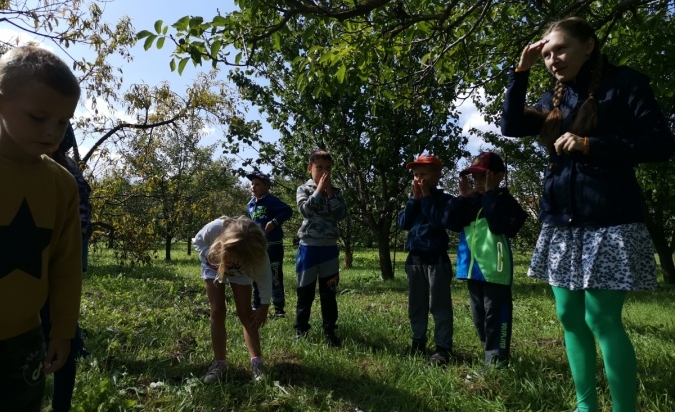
(417, 349)
(279, 313)
(440, 358)
(332, 340)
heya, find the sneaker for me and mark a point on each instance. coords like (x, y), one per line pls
(257, 371)
(440, 358)
(332, 340)
(279, 313)
(216, 372)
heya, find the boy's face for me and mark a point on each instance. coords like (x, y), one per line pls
(428, 175)
(318, 168)
(33, 122)
(258, 188)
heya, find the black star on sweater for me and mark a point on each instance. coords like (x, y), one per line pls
(22, 243)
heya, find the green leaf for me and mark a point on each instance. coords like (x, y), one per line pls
(172, 65)
(181, 24)
(148, 42)
(143, 33)
(237, 58)
(181, 64)
(160, 42)
(215, 48)
(196, 21)
(219, 21)
(341, 73)
(158, 26)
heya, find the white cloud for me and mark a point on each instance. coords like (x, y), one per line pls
(471, 118)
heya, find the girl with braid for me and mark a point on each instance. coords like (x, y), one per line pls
(598, 123)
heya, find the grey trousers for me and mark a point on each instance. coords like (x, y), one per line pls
(429, 277)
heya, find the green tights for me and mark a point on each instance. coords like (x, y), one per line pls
(592, 314)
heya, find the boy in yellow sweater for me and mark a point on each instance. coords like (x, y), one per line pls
(40, 239)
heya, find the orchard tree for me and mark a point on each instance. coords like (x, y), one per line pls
(469, 45)
(158, 181)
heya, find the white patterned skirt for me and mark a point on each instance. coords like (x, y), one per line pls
(611, 258)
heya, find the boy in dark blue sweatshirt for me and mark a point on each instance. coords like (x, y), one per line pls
(270, 213)
(486, 216)
(428, 266)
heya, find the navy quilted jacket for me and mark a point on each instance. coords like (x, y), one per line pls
(598, 189)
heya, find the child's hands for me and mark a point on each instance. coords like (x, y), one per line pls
(269, 226)
(259, 317)
(420, 188)
(416, 190)
(465, 189)
(492, 180)
(57, 354)
(325, 185)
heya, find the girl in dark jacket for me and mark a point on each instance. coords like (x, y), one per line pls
(598, 123)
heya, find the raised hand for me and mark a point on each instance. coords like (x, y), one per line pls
(465, 190)
(417, 190)
(531, 54)
(492, 180)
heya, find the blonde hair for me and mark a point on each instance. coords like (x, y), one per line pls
(26, 65)
(241, 244)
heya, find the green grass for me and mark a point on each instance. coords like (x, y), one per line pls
(148, 334)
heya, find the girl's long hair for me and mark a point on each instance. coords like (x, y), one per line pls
(242, 243)
(587, 117)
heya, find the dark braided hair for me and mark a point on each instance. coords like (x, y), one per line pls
(587, 118)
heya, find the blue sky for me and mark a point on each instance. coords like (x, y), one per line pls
(152, 66)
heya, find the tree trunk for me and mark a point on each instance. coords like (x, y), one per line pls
(663, 249)
(189, 247)
(383, 250)
(349, 258)
(167, 248)
(665, 258)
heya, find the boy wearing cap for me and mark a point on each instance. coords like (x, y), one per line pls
(269, 212)
(486, 216)
(428, 266)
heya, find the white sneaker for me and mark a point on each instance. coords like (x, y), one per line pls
(258, 371)
(216, 372)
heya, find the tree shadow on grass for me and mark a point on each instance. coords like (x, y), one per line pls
(355, 388)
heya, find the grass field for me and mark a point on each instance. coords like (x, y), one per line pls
(148, 333)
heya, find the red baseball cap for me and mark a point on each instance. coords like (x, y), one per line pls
(484, 162)
(425, 159)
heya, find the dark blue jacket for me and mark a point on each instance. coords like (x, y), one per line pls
(267, 208)
(598, 189)
(424, 234)
(502, 212)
